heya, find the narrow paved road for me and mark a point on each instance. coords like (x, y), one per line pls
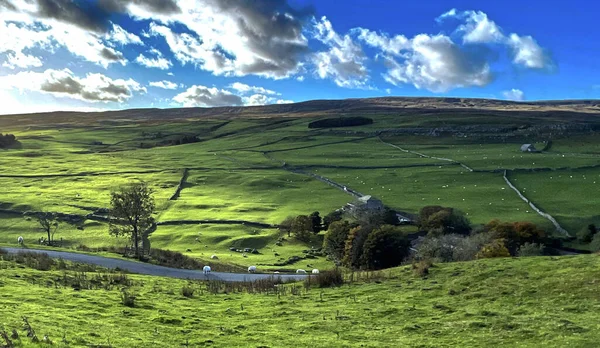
(154, 270)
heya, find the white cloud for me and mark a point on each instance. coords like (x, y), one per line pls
(63, 83)
(21, 60)
(123, 37)
(164, 84)
(235, 38)
(390, 45)
(514, 94)
(388, 91)
(345, 60)
(449, 14)
(528, 53)
(244, 88)
(207, 97)
(284, 101)
(159, 62)
(478, 28)
(437, 64)
(33, 25)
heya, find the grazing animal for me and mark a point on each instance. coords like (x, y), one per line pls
(214, 257)
(315, 271)
(20, 240)
(276, 272)
(300, 271)
(206, 269)
(252, 269)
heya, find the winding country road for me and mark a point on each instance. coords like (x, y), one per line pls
(154, 270)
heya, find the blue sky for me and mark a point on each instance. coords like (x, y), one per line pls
(115, 54)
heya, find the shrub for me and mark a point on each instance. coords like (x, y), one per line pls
(127, 299)
(187, 291)
(494, 249)
(515, 234)
(421, 268)
(451, 247)
(384, 247)
(587, 233)
(595, 244)
(326, 279)
(331, 218)
(531, 249)
(335, 239)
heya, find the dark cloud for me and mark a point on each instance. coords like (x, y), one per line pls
(84, 14)
(274, 32)
(111, 54)
(106, 91)
(8, 5)
(155, 6)
(66, 84)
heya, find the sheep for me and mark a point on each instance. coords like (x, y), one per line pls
(206, 269)
(214, 257)
(300, 271)
(252, 269)
(276, 272)
(20, 240)
(315, 271)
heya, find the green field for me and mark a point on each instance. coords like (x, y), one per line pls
(256, 170)
(525, 302)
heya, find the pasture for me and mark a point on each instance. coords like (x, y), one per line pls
(525, 302)
(257, 170)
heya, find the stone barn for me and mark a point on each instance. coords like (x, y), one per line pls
(528, 148)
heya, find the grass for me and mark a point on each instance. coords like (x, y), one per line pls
(526, 302)
(60, 169)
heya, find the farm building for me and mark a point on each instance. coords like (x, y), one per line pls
(364, 203)
(528, 148)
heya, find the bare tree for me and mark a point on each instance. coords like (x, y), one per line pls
(131, 212)
(49, 225)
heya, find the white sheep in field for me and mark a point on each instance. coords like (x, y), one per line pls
(252, 269)
(315, 271)
(300, 271)
(206, 269)
(20, 240)
(214, 257)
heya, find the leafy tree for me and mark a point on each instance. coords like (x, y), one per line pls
(286, 225)
(375, 217)
(515, 234)
(439, 220)
(49, 225)
(302, 227)
(131, 213)
(384, 247)
(335, 239)
(335, 215)
(354, 245)
(316, 222)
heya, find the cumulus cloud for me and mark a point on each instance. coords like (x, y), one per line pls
(207, 97)
(514, 94)
(244, 88)
(21, 60)
(389, 45)
(122, 37)
(63, 83)
(236, 37)
(164, 84)
(158, 61)
(478, 28)
(345, 60)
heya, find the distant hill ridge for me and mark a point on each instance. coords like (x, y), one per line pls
(312, 108)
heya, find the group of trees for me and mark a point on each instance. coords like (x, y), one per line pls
(450, 237)
(8, 141)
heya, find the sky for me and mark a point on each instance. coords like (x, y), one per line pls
(93, 55)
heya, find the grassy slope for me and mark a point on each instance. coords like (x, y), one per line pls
(527, 302)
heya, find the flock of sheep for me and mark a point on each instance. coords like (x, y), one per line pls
(207, 269)
(252, 269)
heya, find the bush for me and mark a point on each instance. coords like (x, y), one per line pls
(531, 249)
(331, 218)
(421, 268)
(187, 291)
(451, 247)
(326, 279)
(384, 247)
(494, 249)
(595, 244)
(587, 233)
(335, 239)
(127, 299)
